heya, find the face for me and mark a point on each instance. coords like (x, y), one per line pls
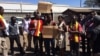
(73, 19)
(94, 13)
(13, 19)
(36, 14)
(60, 18)
(45, 17)
(27, 16)
(1, 11)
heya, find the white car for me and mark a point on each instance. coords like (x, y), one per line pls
(19, 20)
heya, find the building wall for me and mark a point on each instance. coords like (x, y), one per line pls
(55, 16)
(21, 9)
(8, 15)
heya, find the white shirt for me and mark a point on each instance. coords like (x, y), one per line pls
(61, 26)
(26, 25)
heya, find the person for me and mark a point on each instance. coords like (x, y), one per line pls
(75, 29)
(82, 22)
(62, 27)
(14, 35)
(88, 30)
(7, 29)
(38, 39)
(46, 20)
(95, 32)
(31, 28)
(49, 41)
(26, 34)
(3, 44)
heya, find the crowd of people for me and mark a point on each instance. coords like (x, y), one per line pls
(82, 30)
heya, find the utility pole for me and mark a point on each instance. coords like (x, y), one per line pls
(80, 3)
(21, 5)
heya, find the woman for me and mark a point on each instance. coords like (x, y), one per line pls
(14, 35)
(62, 27)
(49, 42)
(74, 30)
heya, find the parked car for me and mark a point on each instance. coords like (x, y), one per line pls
(19, 21)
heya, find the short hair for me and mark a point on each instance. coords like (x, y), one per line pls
(36, 12)
(60, 16)
(1, 7)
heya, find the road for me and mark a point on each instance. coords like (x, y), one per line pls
(31, 52)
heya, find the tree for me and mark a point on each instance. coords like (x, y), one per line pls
(98, 2)
(92, 3)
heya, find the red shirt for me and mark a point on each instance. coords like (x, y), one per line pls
(79, 29)
(36, 26)
(32, 25)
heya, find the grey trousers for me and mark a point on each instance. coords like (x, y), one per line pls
(3, 46)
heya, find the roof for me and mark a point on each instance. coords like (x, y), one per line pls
(22, 7)
(82, 10)
(59, 8)
(18, 7)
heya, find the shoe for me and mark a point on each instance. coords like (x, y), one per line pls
(22, 53)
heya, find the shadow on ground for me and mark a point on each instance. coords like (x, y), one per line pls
(30, 52)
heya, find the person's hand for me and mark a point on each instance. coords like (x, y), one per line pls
(60, 30)
(33, 28)
(53, 23)
(73, 31)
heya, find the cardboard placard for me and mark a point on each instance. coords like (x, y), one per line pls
(49, 31)
(44, 7)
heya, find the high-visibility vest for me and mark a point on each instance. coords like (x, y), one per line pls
(2, 19)
(38, 27)
(77, 27)
(76, 36)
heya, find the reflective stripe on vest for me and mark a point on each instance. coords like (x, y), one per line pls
(76, 29)
(38, 28)
(2, 18)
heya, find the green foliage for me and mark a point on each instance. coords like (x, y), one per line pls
(92, 3)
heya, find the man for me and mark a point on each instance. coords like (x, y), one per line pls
(88, 29)
(96, 32)
(93, 33)
(27, 36)
(3, 44)
(14, 36)
(82, 22)
(75, 30)
(38, 33)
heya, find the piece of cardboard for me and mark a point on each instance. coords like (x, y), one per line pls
(49, 31)
(44, 7)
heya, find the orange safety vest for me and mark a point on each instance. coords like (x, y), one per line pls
(77, 27)
(38, 28)
(2, 19)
